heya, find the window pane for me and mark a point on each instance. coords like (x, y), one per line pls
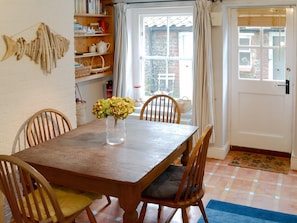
(273, 64)
(249, 63)
(244, 58)
(178, 25)
(249, 36)
(261, 53)
(172, 85)
(151, 74)
(273, 36)
(168, 71)
(244, 41)
(158, 79)
(155, 31)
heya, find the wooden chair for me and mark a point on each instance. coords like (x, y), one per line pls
(161, 108)
(180, 186)
(32, 199)
(47, 124)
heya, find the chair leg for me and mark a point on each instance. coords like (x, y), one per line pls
(159, 212)
(108, 203)
(142, 212)
(171, 215)
(108, 200)
(185, 215)
(91, 215)
(201, 206)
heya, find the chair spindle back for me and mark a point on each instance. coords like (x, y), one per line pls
(161, 108)
(46, 124)
(28, 193)
(192, 179)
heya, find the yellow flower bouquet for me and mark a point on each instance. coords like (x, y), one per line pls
(118, 107)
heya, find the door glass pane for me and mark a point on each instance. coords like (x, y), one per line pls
(273, 67)
(261, 53)
(249, 36)
(274, 36)
(249, 63)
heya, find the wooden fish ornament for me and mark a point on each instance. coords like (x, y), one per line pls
(45, 49)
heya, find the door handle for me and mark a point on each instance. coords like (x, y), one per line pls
(287, 85)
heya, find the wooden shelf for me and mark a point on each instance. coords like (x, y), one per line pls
(93, 77)
(82, 41)
(91, 35)
(91, 55)
(92, 15)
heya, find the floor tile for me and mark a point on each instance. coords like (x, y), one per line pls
(255, 188)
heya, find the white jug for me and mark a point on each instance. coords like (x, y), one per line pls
(102, 47)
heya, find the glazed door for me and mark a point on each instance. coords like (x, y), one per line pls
(262, 83)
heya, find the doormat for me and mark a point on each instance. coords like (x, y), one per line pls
(260, 161)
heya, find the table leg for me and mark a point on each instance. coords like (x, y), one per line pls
(129, 201)
(186, 153)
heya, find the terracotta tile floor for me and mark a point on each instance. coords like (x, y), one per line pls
(261, 189)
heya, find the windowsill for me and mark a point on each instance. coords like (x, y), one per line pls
(186, 118)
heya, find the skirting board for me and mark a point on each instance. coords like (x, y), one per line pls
(294, 162)
(218, 152)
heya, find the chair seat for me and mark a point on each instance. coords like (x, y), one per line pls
(166, 185)
(70, 201)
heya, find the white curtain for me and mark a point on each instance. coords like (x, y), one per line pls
(203, 86)
(203, 101)
(120, 78)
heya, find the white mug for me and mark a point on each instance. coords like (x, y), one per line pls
(92, 49)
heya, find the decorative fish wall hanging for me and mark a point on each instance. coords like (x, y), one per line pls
(45, 49)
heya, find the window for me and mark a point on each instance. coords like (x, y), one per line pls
(163, 60)
(261, 43)
(262, 57)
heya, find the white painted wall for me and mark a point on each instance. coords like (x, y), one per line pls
(24, 88)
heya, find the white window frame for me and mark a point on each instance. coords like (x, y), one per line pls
(134, 33)
(245, 49)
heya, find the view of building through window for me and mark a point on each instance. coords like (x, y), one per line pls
(261, 53)
(167, 43)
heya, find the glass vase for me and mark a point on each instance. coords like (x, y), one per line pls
(115, 130)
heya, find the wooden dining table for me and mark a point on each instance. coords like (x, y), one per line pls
(81, 159)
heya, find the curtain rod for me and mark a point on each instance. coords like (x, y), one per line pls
(136, 2)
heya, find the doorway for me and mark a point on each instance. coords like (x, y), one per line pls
(262, 78)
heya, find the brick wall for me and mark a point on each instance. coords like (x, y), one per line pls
(158, 35)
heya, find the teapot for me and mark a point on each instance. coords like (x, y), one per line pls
(102, 46)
